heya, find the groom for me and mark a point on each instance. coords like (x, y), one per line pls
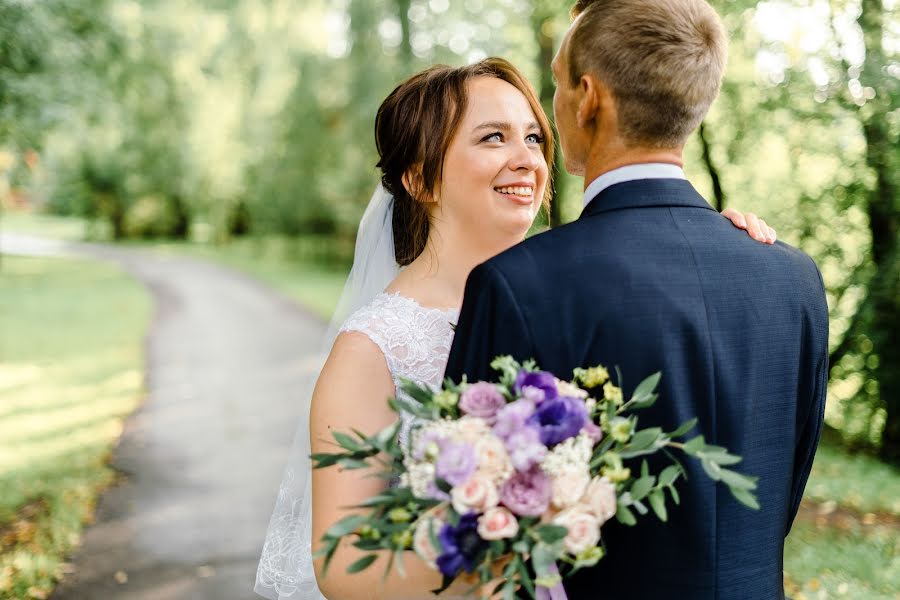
(650, 278)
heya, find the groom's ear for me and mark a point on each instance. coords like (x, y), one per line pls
(589, 100)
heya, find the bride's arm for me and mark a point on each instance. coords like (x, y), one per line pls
(352, 392)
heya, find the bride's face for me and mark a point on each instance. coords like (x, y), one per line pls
(494, 173)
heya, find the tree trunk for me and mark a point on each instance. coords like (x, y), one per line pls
(711, 168)
(884, 215)
(542, 23)
(406, 53)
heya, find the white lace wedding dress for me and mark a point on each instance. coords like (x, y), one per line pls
(415, 342)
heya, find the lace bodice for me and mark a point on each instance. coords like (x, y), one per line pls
(415, 340)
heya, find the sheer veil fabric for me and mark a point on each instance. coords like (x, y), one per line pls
(286, 568)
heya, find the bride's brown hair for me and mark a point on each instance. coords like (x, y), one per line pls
(413, 129)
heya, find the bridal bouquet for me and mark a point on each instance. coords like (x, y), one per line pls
(523, 471)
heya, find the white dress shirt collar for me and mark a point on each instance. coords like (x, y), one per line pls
(630, 173)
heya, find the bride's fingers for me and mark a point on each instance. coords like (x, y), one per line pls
(736, 217)
(767, 231)
(754, 228)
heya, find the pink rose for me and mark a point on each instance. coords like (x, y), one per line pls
(422, 540)
(493, 459)
(482, 400)
(584, 530)
(475, 495)
(497, 523)
(600, 497)
(569, 486)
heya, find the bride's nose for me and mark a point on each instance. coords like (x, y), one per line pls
(524, 158)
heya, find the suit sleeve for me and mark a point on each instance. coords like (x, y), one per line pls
(490, 324)
(811, 429)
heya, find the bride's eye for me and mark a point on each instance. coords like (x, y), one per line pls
(535, 138)
(493, 137)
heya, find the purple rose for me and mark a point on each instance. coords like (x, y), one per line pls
(527, 493)
(482, 400)
(536, 385)
(456, 462)
(525, 448)
(559, 419)
(461, 546)
(512, 417)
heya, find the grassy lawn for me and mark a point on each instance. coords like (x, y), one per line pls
(71, 337)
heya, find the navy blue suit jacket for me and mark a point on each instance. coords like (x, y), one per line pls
(651, 278)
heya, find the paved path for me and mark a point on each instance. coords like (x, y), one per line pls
(203, 455)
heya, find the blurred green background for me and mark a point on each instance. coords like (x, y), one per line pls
(241, 131)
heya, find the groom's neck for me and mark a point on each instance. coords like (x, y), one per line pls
(607, 157)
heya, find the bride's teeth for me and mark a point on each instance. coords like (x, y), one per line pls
(518, 191)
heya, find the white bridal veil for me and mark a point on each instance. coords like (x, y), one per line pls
(286, 568)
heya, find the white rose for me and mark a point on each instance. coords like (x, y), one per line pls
(584, 530)
(493, 459)
(471, 429)
(422, 541)
(476, 495)
(569, 486)
(497, 523)
(600, 497)
(565, 388)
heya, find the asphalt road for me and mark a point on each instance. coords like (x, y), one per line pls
(202, 458)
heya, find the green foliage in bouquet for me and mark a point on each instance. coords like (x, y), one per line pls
(470, 526)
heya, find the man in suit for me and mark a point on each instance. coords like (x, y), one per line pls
(651, 278)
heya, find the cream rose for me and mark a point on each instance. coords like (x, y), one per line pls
(493, 459)
(472, 429)
(600, 498)
(569, 487)
(422, 540)
(476, 495)
(584, 530)
(497, 523)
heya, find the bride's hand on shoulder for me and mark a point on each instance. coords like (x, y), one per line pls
(755, 227)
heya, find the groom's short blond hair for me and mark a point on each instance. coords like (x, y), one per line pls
(662, 59)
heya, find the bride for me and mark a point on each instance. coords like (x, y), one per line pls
(464, 155)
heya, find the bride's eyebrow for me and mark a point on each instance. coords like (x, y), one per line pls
(504, 126)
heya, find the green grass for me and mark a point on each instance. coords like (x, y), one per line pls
(862, 562)
(71, 336)
(858, 482)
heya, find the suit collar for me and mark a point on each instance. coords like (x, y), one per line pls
(644, 193)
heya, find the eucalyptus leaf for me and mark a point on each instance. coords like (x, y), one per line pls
(362, 564)
(737, 480)
(694, 445)
(647, 386)
(685, 427)
(641, 487)
(744, 497)
(712, 469)
(346, 441)
(669, 475)
(346, 526)
(658, 503)
(625, 516)
(550, 534)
